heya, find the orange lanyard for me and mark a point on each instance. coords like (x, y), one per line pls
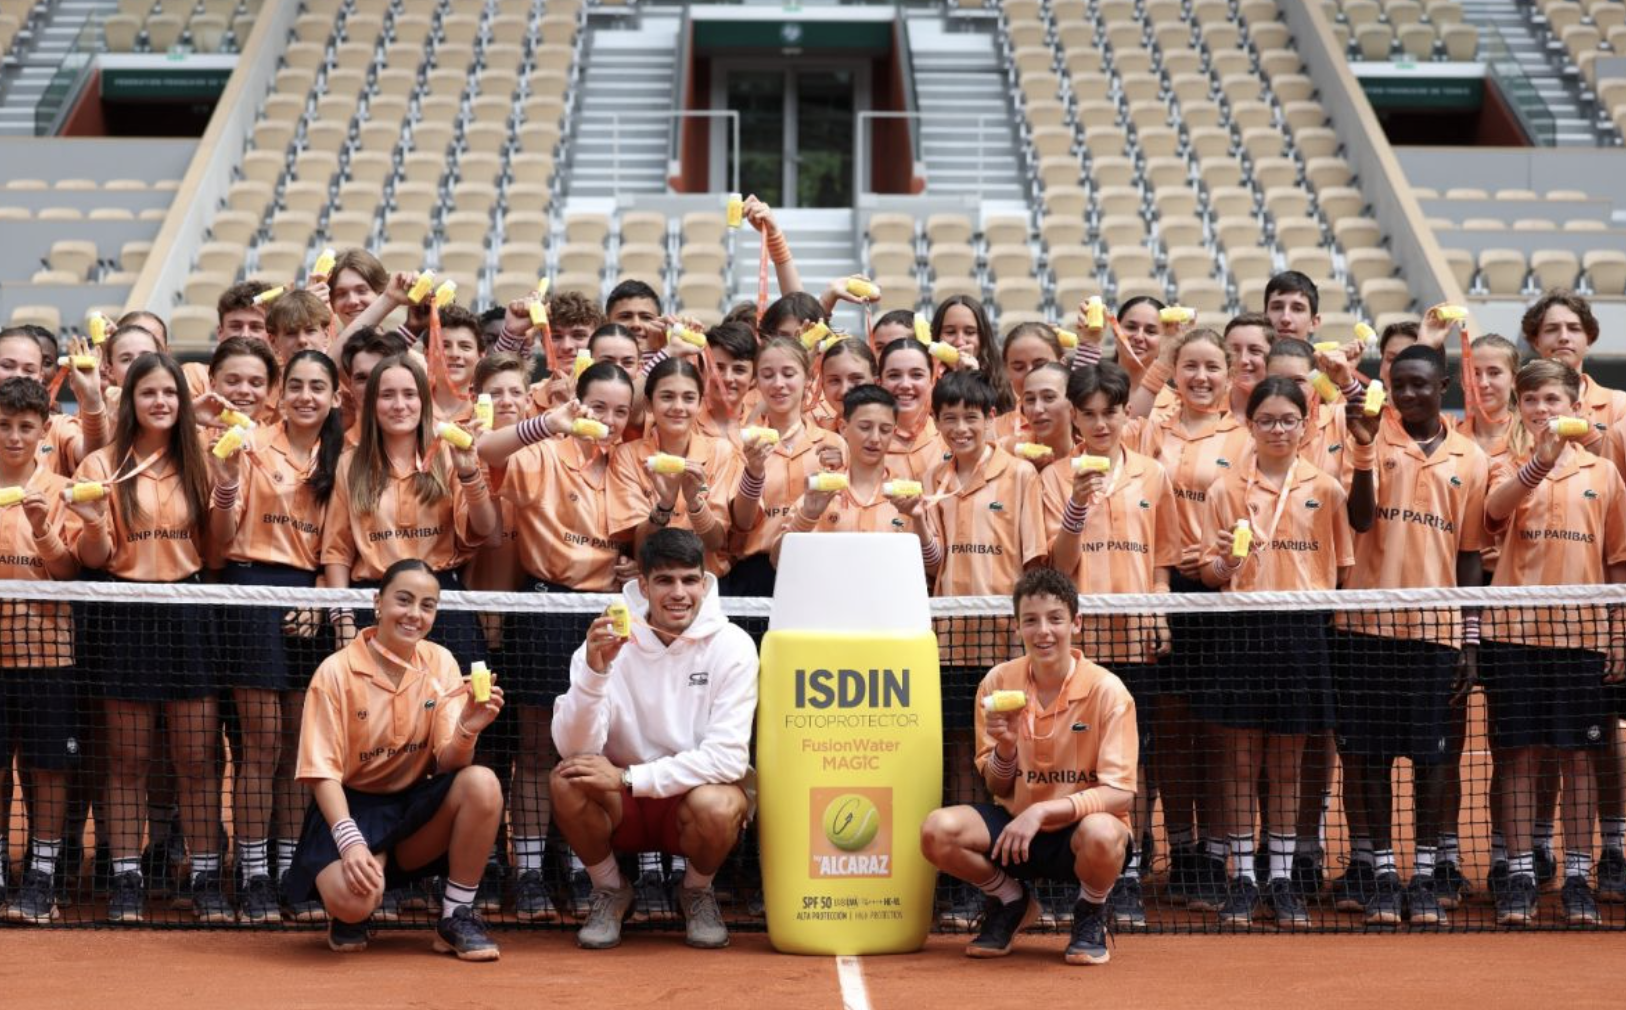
(1281, 499)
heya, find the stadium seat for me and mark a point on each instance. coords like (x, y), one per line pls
(1554, 268)
(1606, 271)
(1502, 270)
(1462, 265)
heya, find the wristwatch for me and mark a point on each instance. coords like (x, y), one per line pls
(626, 778)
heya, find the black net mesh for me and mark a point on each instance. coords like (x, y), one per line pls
(1309, 743)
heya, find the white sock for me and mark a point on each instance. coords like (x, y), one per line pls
(285, 855)
(1524, 863)
(680, 864)
(130, 865)
(1424, 865)
(1242, 857)
(606, 875)
(1383, 861)
(649, 862)
(1362, 850)
(206, 862)
(1450, 848)
(1216, 848)
(1543, 836)
(251, 859)
(1183, 839)
(457, 896)
(1577, 864)
(528, 853)
(1281, 849)
(45, 855)
(1614, 833)
(1002, 887)
(694, 880)
(1093, 897)
(1498, 848)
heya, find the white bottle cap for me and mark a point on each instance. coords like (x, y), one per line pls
(816, 589)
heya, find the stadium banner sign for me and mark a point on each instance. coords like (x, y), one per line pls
(1432, 86)
(181, 77)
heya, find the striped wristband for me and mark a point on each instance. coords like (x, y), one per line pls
(346, 834)
(1533, 473)
(224, 497)
(932, 554)
(1086, 355)
(510, 343)
(1003, 768)
(751, 488)
(1223, 570)
(1074, 516)
(533, 430)
(1353, 389)
(1470, 629)
(653, 360)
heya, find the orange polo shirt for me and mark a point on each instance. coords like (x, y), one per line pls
(278, 519)
(495, 567)
(1193, 463)
(1605, 408)
(549, 393)
(991, 529)
(1498, 456)
(562, 515)
(1429, 509)
(1326, 442)
(61, 450)
(785, 476)
(913, 457)
(35, 634)
(400, 526)
(1304, 550)
(631, 487)
(1130, 533)
(159, 546)
(374, 736)
(1565, 532)
(1085, 738)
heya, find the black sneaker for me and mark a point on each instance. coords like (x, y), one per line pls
(1206, 886)
(1612, 877)
(1306, 877)
(257, 902)
(209, 902)
(464, 933)
(1286, 905)
(488, 895)
(1353, 890)
(299, 911)
(36, 899)
(1516, 904)
(346, 937)
(1001, 921)
(1580, 907)
(650, 900)
(1128, 908)
(1423, 906)
(1451, 888)
(160, 862)
(1387, 901)
(531, 901)
(1091, 926)
(1546, 868)
(1496, 882)
(127, 898)
(1241, 904)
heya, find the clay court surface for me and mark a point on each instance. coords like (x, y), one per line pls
(197, 969)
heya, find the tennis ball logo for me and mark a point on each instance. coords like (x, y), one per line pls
(851, 821)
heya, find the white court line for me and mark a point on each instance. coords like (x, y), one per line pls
(854, 994)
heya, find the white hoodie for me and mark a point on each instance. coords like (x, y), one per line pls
(678, 716)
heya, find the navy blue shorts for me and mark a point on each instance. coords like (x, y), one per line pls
(1050, 854)
(1274, 674)
(147, 652)
(1187, 669)
(1540, 697)
(385, 821)
(254, 652)
(39, 718)
(1394, 696)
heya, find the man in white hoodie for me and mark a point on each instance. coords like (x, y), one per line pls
(654, 734)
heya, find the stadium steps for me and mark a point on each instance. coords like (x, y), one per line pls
(959, 78)
(627, 69)
(1554, 78)
(23, 82)
(820, 238)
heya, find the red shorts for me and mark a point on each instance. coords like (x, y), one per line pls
(648, 824)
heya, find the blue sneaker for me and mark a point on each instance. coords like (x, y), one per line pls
(464, 933)
(346, 937)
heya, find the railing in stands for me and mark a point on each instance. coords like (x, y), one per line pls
(615, 119)
(69, 79)
(1539, 123)
(861, 184)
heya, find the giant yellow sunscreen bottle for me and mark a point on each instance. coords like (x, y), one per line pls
(849, 746)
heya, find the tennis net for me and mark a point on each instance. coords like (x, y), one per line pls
(1321, 740)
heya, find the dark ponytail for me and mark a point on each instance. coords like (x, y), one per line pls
(330, 443)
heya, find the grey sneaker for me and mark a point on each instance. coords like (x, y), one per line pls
(36, 899)
(607, 910)
(703, 920)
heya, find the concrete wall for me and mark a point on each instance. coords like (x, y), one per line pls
(1597, 171)
(97, 158)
